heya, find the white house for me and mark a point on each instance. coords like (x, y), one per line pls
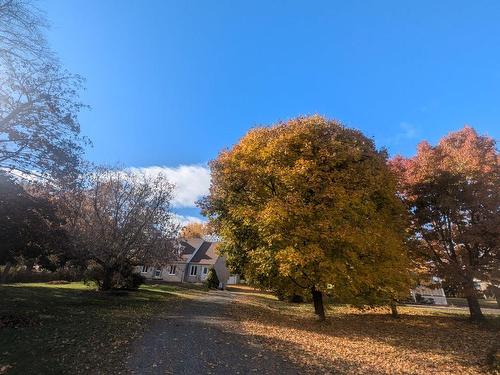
(431, 292)
(195, 258)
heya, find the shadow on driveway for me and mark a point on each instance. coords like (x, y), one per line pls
(201, 336)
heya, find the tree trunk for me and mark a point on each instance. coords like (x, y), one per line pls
(319, 309)
(471, 295)
(474, 308)
(5, 273)
(496, 292)
(394, 310)
(107, 279)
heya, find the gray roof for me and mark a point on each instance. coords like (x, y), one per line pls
(206, 253)
(187, 248)
(187, 251)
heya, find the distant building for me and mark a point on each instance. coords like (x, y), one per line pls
(430, 292)
(195, 258)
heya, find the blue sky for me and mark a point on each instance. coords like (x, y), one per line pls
(171, 83)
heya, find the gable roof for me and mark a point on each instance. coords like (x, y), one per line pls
(188, 248)
(205, 254)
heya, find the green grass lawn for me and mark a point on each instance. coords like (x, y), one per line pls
(56, 329)
(72, 329)
(462, 302)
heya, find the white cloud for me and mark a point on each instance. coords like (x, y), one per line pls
(191, 182)
(184, 220)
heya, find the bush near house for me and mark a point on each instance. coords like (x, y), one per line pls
(212, 279)
(124, 277)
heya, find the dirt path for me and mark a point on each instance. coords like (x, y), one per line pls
(201, 336)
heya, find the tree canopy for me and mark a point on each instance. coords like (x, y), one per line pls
(452, 191)
(39, 103)
(195, 230)
(30, 229)
(118, 220)
(309, 206)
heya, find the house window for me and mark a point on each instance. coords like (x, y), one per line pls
(193, 271)
(144, 269)
(172, 269)
(158, 272)
(205, 270)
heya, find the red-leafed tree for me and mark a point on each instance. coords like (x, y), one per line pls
(453, 193)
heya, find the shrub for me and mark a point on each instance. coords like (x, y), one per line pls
(127, 279)
(23, 275)
(295, 298)
(94, 273)
(291, 295)
(124, 278)
(212, 281)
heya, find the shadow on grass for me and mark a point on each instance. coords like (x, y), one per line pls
(238, 289)
(169, 285)
(446, 335)
(204, 336)
(76, 327)
(85, 331)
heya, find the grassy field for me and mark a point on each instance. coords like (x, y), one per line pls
(420, 341)
(61, 329)
(72, 329)
(462, 302)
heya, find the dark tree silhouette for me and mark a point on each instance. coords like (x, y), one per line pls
(30, 229)
(39, 102)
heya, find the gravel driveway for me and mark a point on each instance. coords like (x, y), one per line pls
(201, 336)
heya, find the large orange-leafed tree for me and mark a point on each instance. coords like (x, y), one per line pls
(307, 207)
(452, 191)
(195, 230)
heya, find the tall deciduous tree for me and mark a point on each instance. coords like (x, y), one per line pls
(453, 193)
(39, 104)
(309, 206)
(30, 229)
(119, 220)
(195, 230)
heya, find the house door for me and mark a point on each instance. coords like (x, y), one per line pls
(204, 273)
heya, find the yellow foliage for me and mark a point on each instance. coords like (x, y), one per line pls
(195, 230)
(312, 202)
